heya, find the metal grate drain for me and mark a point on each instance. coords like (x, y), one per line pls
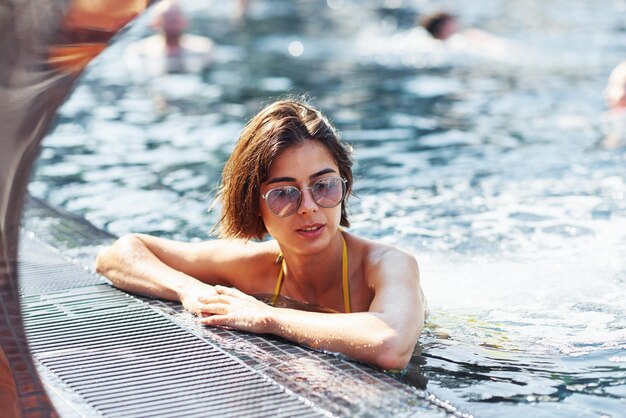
(125, 359)
(43, 270)
(128, 360)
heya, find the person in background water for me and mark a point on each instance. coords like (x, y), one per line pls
(445, 27)
(615, 91)
(440, 25)
(615, 95)
(170, 50)
(241, 11)
(289, 177)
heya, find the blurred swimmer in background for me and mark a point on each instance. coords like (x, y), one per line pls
(615, 96)
(170, 50)
(440, 25)
(615, 91)
(445, 27)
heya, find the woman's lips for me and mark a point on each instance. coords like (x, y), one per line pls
(311, 231)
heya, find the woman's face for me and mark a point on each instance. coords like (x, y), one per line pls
(311, 227)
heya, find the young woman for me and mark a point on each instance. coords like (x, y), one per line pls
(289, 176)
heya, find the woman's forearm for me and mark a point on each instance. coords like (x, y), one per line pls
(131, 266)
(385, 341)
(365, 336)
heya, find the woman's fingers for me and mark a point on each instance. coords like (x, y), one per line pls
(229, 307)
(214, 299)
(223, 290)
(214, 320)
(225, 307)
(232, 291)
(221, 303)
(215, 308)
(222, 294)
(191, 300)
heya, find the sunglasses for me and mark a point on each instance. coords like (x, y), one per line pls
(327, 193)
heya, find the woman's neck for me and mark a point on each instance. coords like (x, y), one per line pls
(313, 276)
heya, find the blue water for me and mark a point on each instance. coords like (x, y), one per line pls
(498, 166)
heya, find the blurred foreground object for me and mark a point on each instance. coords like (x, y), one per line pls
(9, 399)
(44, 45)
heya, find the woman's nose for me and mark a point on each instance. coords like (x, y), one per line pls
(308, 204)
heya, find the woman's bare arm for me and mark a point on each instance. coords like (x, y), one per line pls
(172, 270)
(385, 336)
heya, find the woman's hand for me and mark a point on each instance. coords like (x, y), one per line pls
(191, 296)
(232, 308)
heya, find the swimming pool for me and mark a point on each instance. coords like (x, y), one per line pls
(489, 164)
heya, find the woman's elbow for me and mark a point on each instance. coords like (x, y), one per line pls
(100, 264)
(394, 353)
(103, 261)
(108, 257)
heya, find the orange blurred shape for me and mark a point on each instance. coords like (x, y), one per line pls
(9, 400)
(99, 19)
(73, 58)
(107, 15)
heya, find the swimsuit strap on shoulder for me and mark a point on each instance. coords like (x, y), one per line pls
(345, 284)
(279, 282)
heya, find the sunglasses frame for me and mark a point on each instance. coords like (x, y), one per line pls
(343, 195)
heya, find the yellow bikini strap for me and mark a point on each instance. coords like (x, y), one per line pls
(279, 282)
(344, 276)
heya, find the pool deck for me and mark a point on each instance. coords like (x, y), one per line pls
(103, 352)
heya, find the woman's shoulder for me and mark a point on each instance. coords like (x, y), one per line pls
(380, 261)
(375, 251)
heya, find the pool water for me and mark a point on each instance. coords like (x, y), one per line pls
(497, 165)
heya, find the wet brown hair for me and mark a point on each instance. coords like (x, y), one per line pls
(278, 126)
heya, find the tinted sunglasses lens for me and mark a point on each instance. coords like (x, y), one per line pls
(283, 201)
(328, 192)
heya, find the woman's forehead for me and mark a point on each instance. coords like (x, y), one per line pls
(303, 159)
